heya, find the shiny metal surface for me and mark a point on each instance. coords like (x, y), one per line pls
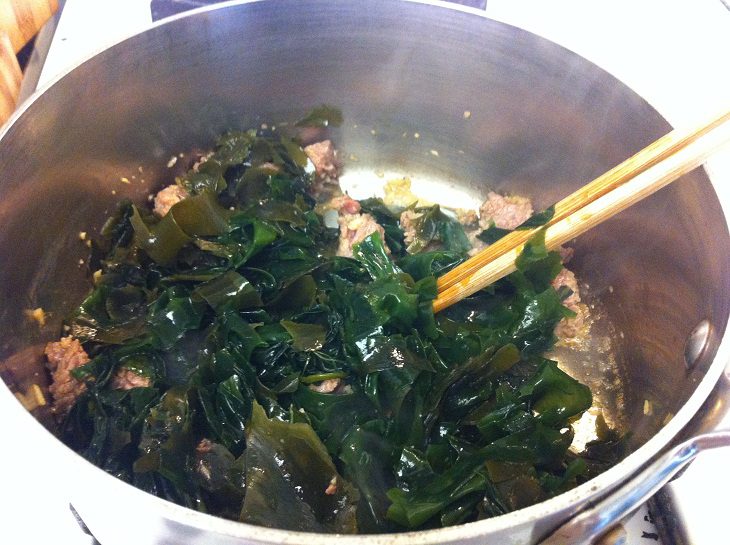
(543, 121)
(688, 511)
(697, 343)
(593, 523)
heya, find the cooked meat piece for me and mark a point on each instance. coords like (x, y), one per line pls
(467, 218)
(326, 166)
(331, 487)
(204, 447)
(324, 158)
(408, 224)
(64, 356)
(169, 197)
(566, 253)
(504, 212)
(271, 167)
(202, 159)
(326, 386)
(354, 228)
(567, 278)
(212, 463)
(126, 379)
(344, 204)
(569, 327)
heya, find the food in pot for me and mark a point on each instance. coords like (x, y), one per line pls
(169, 197)
(262, 347)
(63, 357)
(505, 212)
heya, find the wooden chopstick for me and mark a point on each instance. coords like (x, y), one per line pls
(644, 159)
(657, 165)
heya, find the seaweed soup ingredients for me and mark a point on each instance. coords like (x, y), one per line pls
(262, 347)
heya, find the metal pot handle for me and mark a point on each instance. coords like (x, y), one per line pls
(587, 527)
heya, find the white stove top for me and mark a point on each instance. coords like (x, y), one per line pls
(666, 50)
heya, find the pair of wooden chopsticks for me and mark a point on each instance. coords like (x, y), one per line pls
(655, 166)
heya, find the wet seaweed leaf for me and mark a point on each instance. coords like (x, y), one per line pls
(228, 291)
(431, 225)
(288, 476)
(162, 241)
(492, 234)
(305, 337)
(321, 116)
(539, 219)
(292, 388)
(172, 315)
(371, 253)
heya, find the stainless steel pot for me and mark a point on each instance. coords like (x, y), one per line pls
(542, 122)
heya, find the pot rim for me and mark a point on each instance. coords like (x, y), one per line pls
(570, 502)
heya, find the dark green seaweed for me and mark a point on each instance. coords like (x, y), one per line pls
(235, 307)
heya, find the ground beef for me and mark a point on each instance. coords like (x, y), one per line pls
(168, 197)
(271, 167)
(504, 212)
(200, 160)
(64, 356)
(570, 327)
(467, 218)
(344, 204)
(326, 166)
(212, 464)
(567, 278)
(408, 224)
(126, 379)
(324, 158)
(566, 253)
(355, 228)
(326, 386)
(204, 447)
(331, 489)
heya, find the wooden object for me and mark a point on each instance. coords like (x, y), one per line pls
(22, 19)
(652, 168)
(10, 77)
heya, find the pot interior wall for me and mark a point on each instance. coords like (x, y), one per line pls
(541, 123)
